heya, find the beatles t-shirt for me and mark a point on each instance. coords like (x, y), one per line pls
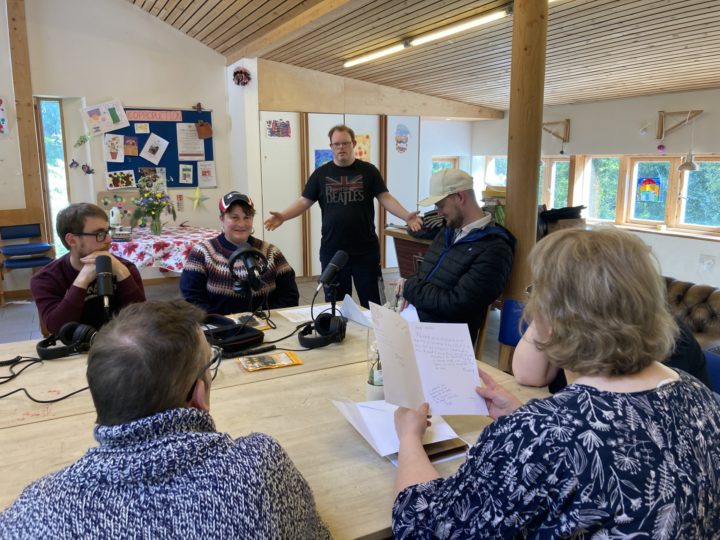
(346, 196)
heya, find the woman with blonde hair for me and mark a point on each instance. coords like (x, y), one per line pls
(629, 447)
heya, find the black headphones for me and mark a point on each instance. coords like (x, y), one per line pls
(249, 256)
(76, 337)
(329, 328)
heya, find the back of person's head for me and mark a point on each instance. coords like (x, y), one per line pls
(145, 360)
(72, 219)
(341, 127)
(600, 294)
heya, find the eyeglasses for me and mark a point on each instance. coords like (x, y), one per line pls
(100, 236)
(213, 364)
(341, 144)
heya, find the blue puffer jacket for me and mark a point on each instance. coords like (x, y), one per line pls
(457, 282)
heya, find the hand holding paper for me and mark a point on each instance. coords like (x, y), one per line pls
(427, 362)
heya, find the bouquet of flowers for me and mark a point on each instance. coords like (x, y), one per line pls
(153, 200)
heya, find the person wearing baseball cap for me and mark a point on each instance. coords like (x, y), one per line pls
(468, 264)
(207, 280)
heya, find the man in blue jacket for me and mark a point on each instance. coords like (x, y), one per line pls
(468, 264)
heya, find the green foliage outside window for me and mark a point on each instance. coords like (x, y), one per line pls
(54, 148)
(703, 195)
(603, 185)
(561, 175)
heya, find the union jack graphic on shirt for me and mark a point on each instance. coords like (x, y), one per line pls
(344, 189)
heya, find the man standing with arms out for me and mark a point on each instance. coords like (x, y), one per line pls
(161, 470)
(345, 189)
(468, 264)
(66, 289)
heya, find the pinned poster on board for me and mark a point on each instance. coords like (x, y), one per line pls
(105, 117)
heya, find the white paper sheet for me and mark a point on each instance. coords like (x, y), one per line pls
(190, 146)
(206, 174)
(432, 362)
(410, 314)
(302, 314)
(400, 371)
(447, 366)
(104, 117)
(374, 420)
(352, 312)
(154, 148)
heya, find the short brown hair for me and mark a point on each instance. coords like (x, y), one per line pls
(600, 294)
(145, 360)
(341, 127)
(72, 219)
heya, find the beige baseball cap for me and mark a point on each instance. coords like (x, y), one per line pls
(446, 182)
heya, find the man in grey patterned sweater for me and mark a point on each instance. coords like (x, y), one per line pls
(161, 470)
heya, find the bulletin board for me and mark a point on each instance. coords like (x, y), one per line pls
(146, 122)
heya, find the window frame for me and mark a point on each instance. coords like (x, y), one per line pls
(490, 165)
(626, 183)
(548, 186)
(453, 160)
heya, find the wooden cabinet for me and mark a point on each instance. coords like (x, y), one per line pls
(410, 251)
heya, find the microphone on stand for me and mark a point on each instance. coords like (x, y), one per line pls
(103, 269)
(336, 264)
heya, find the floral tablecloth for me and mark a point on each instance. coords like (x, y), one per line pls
(167, 251)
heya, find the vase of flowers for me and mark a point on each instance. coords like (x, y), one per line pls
(151, 203)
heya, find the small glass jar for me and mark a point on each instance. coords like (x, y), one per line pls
(375, 388)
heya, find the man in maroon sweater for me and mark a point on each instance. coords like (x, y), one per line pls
(66, 290)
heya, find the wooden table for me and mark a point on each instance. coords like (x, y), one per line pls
(353, 486)
(54, 378)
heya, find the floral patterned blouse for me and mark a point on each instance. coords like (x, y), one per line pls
(583, 463)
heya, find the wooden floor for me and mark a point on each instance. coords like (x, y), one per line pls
(19, 318)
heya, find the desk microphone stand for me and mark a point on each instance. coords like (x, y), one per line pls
(333, 294)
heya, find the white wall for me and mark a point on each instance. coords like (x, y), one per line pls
(443, 138)
(281, 180)
(244, 115)
(614, 127)
(11, 180)
(402, 172)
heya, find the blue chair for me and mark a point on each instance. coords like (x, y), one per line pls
(510, 331)
(14, 254)
(712, 357)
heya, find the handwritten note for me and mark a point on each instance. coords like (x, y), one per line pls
(433, 362)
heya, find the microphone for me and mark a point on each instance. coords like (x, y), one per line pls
(103, 269)
(336, 264)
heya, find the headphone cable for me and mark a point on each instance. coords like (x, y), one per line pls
(30, 361)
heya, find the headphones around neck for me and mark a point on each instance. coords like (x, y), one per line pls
(249, 257)
(76, 337)
(329, 329)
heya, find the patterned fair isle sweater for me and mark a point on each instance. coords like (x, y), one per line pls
(170, 475)
(206, 280)
(583, 464)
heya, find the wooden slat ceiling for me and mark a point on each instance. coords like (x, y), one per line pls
(597, 49)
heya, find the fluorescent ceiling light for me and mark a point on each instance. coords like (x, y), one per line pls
(457, 28)
(374, 56)
(431, 36)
